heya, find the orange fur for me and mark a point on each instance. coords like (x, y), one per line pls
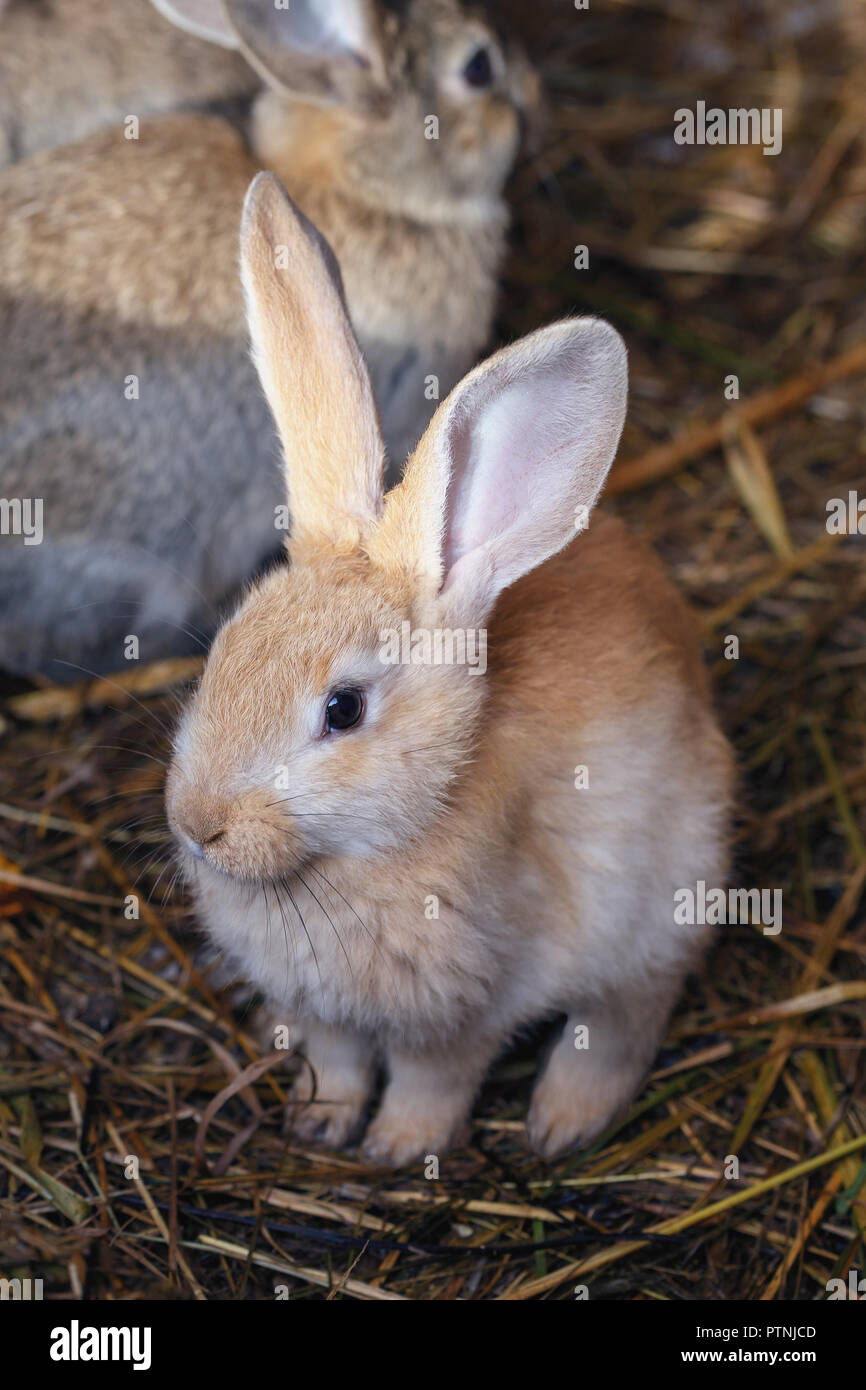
(456, 788)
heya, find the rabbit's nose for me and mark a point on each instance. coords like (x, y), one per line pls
(196, 846)
(199, 824)
(195, 849)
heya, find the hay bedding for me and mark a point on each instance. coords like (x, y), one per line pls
(712, 261)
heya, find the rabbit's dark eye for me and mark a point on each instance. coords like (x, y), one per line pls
(344, 709)
(478, 72)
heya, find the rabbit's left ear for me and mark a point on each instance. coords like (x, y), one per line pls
(311, 369)
(510, 466)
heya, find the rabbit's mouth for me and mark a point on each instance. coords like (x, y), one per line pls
(245, 839)
(234, 858)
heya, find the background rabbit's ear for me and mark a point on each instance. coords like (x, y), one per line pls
(206, 19)
(311, 369)
(328, 51)
(512, 463)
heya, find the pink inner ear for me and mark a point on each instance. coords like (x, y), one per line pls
(516, 460)
(493, 453)
(526, 443)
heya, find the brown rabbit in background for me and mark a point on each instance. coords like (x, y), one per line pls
(127, 399)
(324, 796)
(70, 67)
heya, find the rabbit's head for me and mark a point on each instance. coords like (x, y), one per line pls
(328, 720)
(417, 102)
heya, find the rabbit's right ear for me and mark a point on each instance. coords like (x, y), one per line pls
(206, 19)
(326, 51)
(311, 369)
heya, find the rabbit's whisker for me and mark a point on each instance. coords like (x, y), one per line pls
(286, 932)
(155, 886)
(189, 630)
(322, 908)
(136, 792)
(127, 693)
(376, 946)
(285, 884)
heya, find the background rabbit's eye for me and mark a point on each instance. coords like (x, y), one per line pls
(478, 72)
(344, 709)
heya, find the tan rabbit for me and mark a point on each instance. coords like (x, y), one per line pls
(127, 399)
(70, 67)
(395, 850)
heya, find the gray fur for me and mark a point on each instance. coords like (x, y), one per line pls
(128, 548)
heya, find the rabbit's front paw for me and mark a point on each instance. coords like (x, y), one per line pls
(561, 1120)
(398, 1136)
(327, 1122)
(332, 1087)
(578, 1095)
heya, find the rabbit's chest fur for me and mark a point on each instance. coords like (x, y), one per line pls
(407, 961)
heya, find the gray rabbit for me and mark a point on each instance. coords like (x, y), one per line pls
(128, 402)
